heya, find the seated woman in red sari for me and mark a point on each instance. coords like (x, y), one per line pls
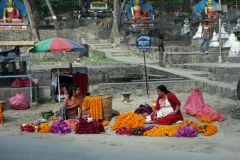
(167, 108)
(72, 104)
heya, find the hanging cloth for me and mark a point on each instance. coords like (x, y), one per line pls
(81, 79)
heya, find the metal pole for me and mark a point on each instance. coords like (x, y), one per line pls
(145, 71)
(220, 39)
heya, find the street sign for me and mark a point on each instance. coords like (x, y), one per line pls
(143, 42)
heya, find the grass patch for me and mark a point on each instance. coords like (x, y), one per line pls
(99, 57)
(234, 97)
(50, 60)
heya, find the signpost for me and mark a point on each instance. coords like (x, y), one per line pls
(144, 42)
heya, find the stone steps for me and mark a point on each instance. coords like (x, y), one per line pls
(228, 72)
(120, 53)
(103, 46)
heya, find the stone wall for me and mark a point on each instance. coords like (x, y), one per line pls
(15, 35)
(184, 57)
(139, 89)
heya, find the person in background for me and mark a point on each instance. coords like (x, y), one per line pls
(167, 109)
(206, 32)
(72, 104)
(161, 49)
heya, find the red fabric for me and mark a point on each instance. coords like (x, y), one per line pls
(81, 79)
(13, 14)
(59, 45)
(171, 118)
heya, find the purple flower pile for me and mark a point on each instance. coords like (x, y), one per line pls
(186, 131)
(85, 127)
(60, 127)
(148, 127)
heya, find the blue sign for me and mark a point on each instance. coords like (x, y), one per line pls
(143, 42)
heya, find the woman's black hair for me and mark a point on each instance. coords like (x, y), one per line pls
(161, 36)
(163, 89)
(70, 90)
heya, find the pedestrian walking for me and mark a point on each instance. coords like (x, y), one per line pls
(161, 49)
(206, 32)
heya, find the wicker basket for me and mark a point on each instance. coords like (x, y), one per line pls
(107, 106)
(3, 105)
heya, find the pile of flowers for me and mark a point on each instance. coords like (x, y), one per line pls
(85, 126)
(186, 131)
(29, 127)
(60, 127)
(205, 120)
(105, 123)
(129, 120)
(45, 128)
(95, 106)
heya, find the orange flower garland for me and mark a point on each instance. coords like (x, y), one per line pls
(162, 131)
(86, 103)
(45, 128)
(205, 120)
(95, 106)
(128, 120)
(206, 129)
(105, 123)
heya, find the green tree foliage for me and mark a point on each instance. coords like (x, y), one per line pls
(59, 6)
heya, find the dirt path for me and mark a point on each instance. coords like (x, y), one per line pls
(226, 141)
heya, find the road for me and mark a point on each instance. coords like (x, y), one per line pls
(22, 148)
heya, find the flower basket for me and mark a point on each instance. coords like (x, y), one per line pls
(107, 106)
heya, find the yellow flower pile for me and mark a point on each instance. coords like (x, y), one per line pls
(95, 106)
(128, 120)
(45, 128)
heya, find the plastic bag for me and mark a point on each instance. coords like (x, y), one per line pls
(26, 82)
(19, 101)
(207, 111)
(17, 83)
(194, 102)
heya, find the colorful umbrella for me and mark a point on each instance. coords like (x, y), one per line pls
(56, 45)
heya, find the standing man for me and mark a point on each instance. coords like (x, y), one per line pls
(161, 49)
(206, 32)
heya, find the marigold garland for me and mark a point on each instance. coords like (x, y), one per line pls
(86, 103)
(45, 128)
(95, 106)
(205, 120)
(206, 129)
(105, 123)
(128, 120)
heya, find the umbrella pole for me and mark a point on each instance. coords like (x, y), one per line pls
(59, 98)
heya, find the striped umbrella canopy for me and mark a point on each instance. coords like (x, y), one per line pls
(56, 45)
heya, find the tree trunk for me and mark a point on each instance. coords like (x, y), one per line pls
(35, 37)
(53, 15)
(186, 6)
(116, 20)
(80, 3)
(162, 6)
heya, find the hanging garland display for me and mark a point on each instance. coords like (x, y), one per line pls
(95, 106)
